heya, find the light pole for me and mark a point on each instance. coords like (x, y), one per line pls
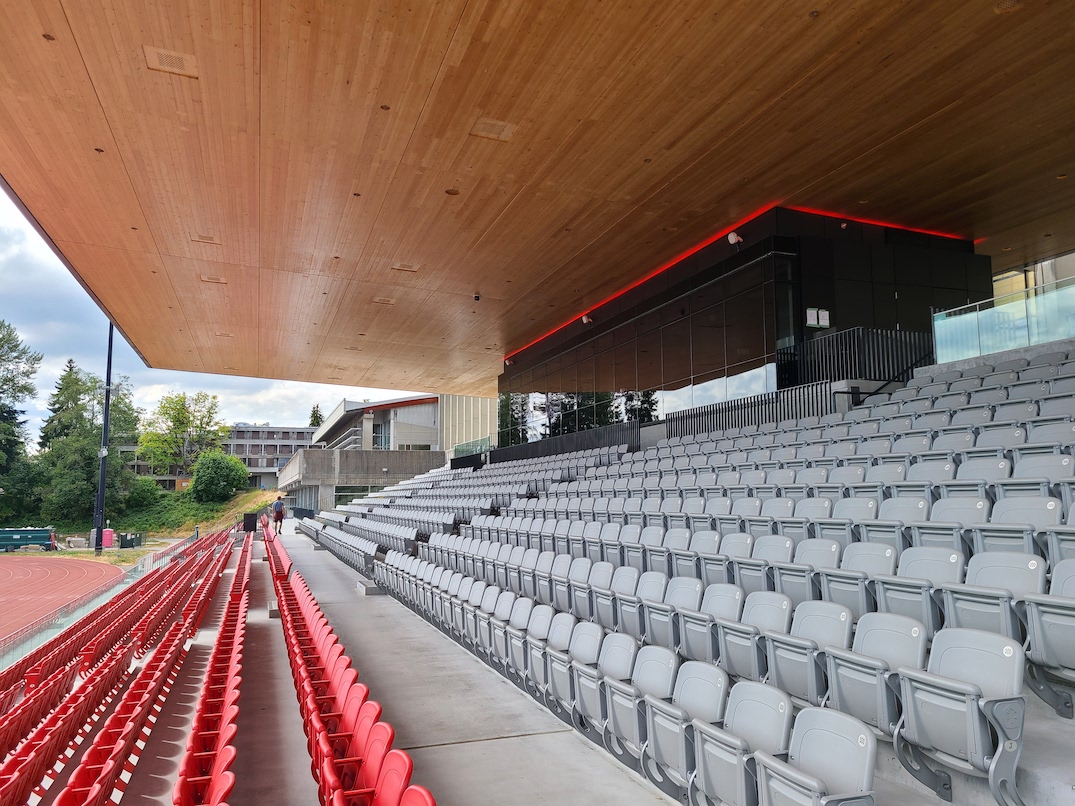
(99, 509)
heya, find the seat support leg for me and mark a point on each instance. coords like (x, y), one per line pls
(1059, 698)
(1006, 717)
(914, 761)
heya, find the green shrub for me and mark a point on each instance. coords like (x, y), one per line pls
(143, 493)
(216, 477)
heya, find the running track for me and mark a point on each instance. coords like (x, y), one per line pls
(32, 588)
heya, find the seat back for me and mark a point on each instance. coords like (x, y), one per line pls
(760, 715)
(677, 539)
(773, 549)
(857, 509)
(617, 657)
(835, 748)
(724, 600)
(988, 660)
(561, 629)
(521, 611)
(652, 536)
(1038, 512)
(815, 508)
(818, 552)
(737, 544)
(905, 510)
(824, 623)
(990, 469)
(933, 563)
(504, 604)
(1062, 582)
(718, 506)
(701, 689)
(561, 566)
(683, 593)
(651, 586)
(586, 642)
(767, 610)
(966, 510)
(625, 580)
(1048, 466)
(1010, 570)
(897, 640)
(746, 507)
(654, 673)
(869, 558)
(812, 475)
(579, 570)
(601, 575)
(705, 541)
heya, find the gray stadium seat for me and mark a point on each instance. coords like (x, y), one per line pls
(964, 712)
(613, 542)
(1060, 540)
(753, 573)
(634, 553)
(653, 676)
(800, 526)
(526, 656)
(1015, 525)
(797, 579)
(806, 479)
(1011, 365)
(1050, 623)
(998, 442)
(741, 645)
(700, 693)
(849, 585)
(922, 404)
(923, 477)
(838, 481)
(863, 680)
(847, 514)
(830, 760)
(651, 587)
(965, 384)
(975, 477)
(1048, 438)
(687, 562)
(993, 582)
(587, 639)
(714, 508)
(1048, 359)
(890, 526)
(603, 600)
(774, 480)
(659, 617)
(912, 592)
(880, 476)
(717, 568)
(989, 396)
(764, 523)
(592, 539)
(741, 508)
(694, 633)
(615, 661)
(600, 576)
(578, 571)
(659, 557)
(948, 520)
(517, 617)
(757, 718)
(796, 659)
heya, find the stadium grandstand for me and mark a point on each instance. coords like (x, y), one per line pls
(776, 305)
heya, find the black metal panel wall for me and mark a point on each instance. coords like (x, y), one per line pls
(474, 460)
(808, 400)
(615, 434)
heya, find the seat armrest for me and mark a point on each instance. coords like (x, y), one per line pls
(846, 655)
(622, 686)
(975, 590)
(666, 707)
(841, 573)
(790, 640)
(793, 774)
(936, 681)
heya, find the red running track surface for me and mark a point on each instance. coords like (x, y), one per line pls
(32, 588)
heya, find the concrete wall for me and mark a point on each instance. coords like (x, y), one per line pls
(326, 468)
(464, 419)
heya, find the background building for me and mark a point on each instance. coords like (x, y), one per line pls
(265, 449)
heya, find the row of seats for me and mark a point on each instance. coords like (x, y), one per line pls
(350, 747)
(205, 775)
(400, 538)
(357, 552)
(35, 706)
(598, 680)
(998, 592)
(1055, 358)
(462, 508)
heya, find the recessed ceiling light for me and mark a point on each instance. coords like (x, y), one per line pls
(99, 150)
(385, 107)
(1048, 235)
(452, 191)
(357, 195)
(408, 267)
(864, 201)
(1007, 249)
(490, 129)
(211, 278)
(225, 335)
(49, 37)
(231, 368)
(1007, 6)
(1061, 176)
(383, 301)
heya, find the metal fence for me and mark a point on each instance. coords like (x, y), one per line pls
(807, 400)
(858, 353)
(615, 434)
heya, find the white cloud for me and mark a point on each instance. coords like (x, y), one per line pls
(55, 316)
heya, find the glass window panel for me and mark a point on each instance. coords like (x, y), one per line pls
(713, 390)
(676, 352)
(567, 380)
(604, 373)
(709, 294)
(584, 375)
(747, 384)
(626, 372)
(650, 372)
(674, 311)
(707, 340)
(624, 334)
(745, 326)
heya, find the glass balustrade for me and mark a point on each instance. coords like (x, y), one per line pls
(1023, 319)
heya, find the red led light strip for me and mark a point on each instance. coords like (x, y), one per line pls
(713, 239)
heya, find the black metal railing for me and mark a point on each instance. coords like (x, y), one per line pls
(607, 436)
(807, 400)
(858, 353)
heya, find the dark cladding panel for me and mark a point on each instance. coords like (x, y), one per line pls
(676, 351)
(884, 306)
(854, 305)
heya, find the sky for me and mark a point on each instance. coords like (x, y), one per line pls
(57, 318)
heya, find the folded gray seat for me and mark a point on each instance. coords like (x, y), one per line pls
(796, 659)
(629, 615)
(965, 712)
(753, 573)
(585, 647)
(717, 568)
(634, 553)
(700, 693)
(741, 508)
(890, 526)
(687, 562)
(625, 728)
(847, 516)
(529, 574)
(880, 476)
(496, 640)
(851, 584)
(614, 540)
(806, 478)
(764, 523)
(658, 618)
(975, 477)
(774, 481)
(948, 522)
(1017, 524)
(1041, 475)
(912, 592)
(1059, 541)
(741, 649)
(547, 584)
(694, 633)
(1050, 623)
(994, 581)
(476, 620)
(578, 571)
(659, 557)
(535, 630)
(863, 681)
(603, 601)
(799, 527)
(830, 760)
(757, 718)
(797, 579)
(593, 537)
(615, 661)
(576, 545)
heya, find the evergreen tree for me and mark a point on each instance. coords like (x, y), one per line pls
(68, 406)
(316, 417)
(18, 367)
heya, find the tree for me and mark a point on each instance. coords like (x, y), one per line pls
(68, 405)
(316, 417)
(18, 367)
(180, 430)
(217, 476)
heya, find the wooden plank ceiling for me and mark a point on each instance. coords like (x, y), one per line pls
(247, 220)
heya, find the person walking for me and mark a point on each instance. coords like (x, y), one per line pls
(278, 513)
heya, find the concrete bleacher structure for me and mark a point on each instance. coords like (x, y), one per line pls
(939, 515)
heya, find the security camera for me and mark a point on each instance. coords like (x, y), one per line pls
(734, 238)
(586, 320)
(477, 297)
